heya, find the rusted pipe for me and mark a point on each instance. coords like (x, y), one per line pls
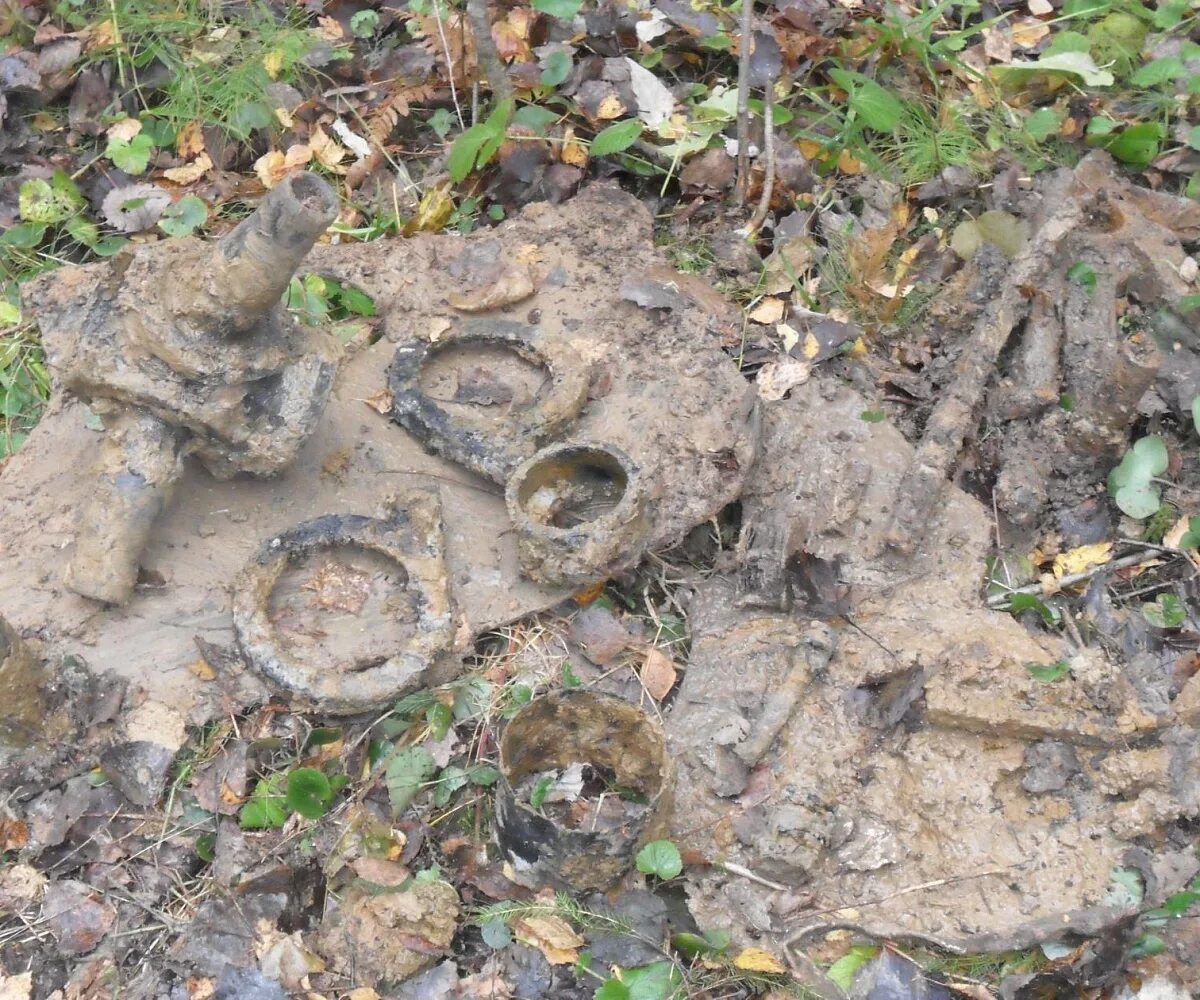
(253, 264)
(140, 459)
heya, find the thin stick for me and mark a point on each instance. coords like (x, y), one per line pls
(921, 489)
(764, 201)
(746, 873)
(1125, 562)
(437, 16)
(742, 186)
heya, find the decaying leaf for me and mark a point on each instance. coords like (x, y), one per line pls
(381, 402)
(513, 284)
(573, 151)
(1082, 558)
(133, 208)
(778, 378)
(551, 935)
(759, 960)
(768, 311)
(658, 674)
(336, 586)
(189, 172)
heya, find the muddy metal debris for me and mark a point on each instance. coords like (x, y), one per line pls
(658, 391)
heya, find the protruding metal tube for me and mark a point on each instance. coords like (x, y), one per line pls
(254, 263)
(139, 462)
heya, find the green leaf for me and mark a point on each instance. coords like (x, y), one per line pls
(872, 416)
(407, 770)
(1191, 537)
(612, 989)
(449, 781)
(1178, 904)
(206, 848)
(39, 202)
(356, 301)
(842, 971)
(439, 718)
(1083, 275)
(1042, 124)
(617, 137)
(496, 933)
(484, 775)
(538, 795)
(1101, 125)
(557, 68)
(1072, 63)
(10, 315)
(183, 217)
(1165, 612)
(309, 792)
(657, 981)
(1147, 946)
(562, 9)
(1158, 71)
(23, 236)
(1018, 603)
(1146, 459)
(1137, 145)
(1048, 673)
(131, 155)
(364, 23)
(441, 121)
(1139, 500)
(1168, 14)
(535, 117)
(1193, 137)
(478, 144)
(1126, 889)
(878, 108)
(267, 806)
(82, 231)
(661, 858)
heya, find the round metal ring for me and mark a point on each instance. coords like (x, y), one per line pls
(338, 691)
(494, 452)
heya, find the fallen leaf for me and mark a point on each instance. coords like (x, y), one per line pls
(329, 29)
(778, 378)
(768, 311)
(655, 102)
(14, 834)
(20, 885)
(434, 211)
(610, 107)
(512, 285)
(381, 402)
(847, 164)
(353, 141)
(658, 674)
(811, 348)
(328, 153)
(759, 960)
(16, 987)
(589, 594)
(125, 129)
(998, 43)
(362, 993)
(1082, 558)
(134, 207)
(201, 669)
(380, 871)
(552, 936)
(1028, 32)
(274, 166)
(572, 151)
(190, 140)
(189, 172)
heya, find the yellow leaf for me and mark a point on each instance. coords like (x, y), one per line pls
(552, 936)
(329, 29)
(273, 63)
(362, 993)
(811, 348)
(858, 349)
(1081, 559)
(189, 172)
(810, 150)
(573, 152)
(201, 669)
(328, 153)
(433, 212)
(768, 311)
(125, 129)
(758, 960)
(269, 168)
(190, 140)
(787, 336)
(610, 107)
(847, 164)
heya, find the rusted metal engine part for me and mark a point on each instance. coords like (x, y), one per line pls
(368, 661)
(492, 447)
(905, 791)
(585, 727)
(1075, 345)
(22, 679)
(182, 347)
(662, 391)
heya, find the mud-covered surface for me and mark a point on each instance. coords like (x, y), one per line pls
(661, 389)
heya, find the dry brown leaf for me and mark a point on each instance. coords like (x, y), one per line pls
(125, 129)
(190, 140)
(380, 871)
(513, 285)
(658, 674)
(768, 311)
(189, 172)
(998, 44)
(14, 834)
(1028, 32)
(552, 936)
(610, 107)
(573, 152)
(777, 378)
(328, 152)
(329, 29)
(381, 402)
(847, 164)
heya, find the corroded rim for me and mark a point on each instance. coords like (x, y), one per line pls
(493, 453)
(339, 691)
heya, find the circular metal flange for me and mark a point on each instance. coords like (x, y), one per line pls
(493, 452)
(344, 692)
(578, 508)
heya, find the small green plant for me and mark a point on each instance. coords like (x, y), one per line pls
(1191, 537)
(317, 301)
(844, 969)
(660, 858)
(1131, 484)
(303, 790)
(1049, 614)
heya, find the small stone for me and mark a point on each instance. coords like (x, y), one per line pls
(1048, 766)
(138, 770)
(77, 918)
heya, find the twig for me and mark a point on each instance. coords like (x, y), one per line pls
(1125, 562)
(764, 201)
(437, 16)
(921, 489)
(741, 187)
(746, 873)
(487, 53)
